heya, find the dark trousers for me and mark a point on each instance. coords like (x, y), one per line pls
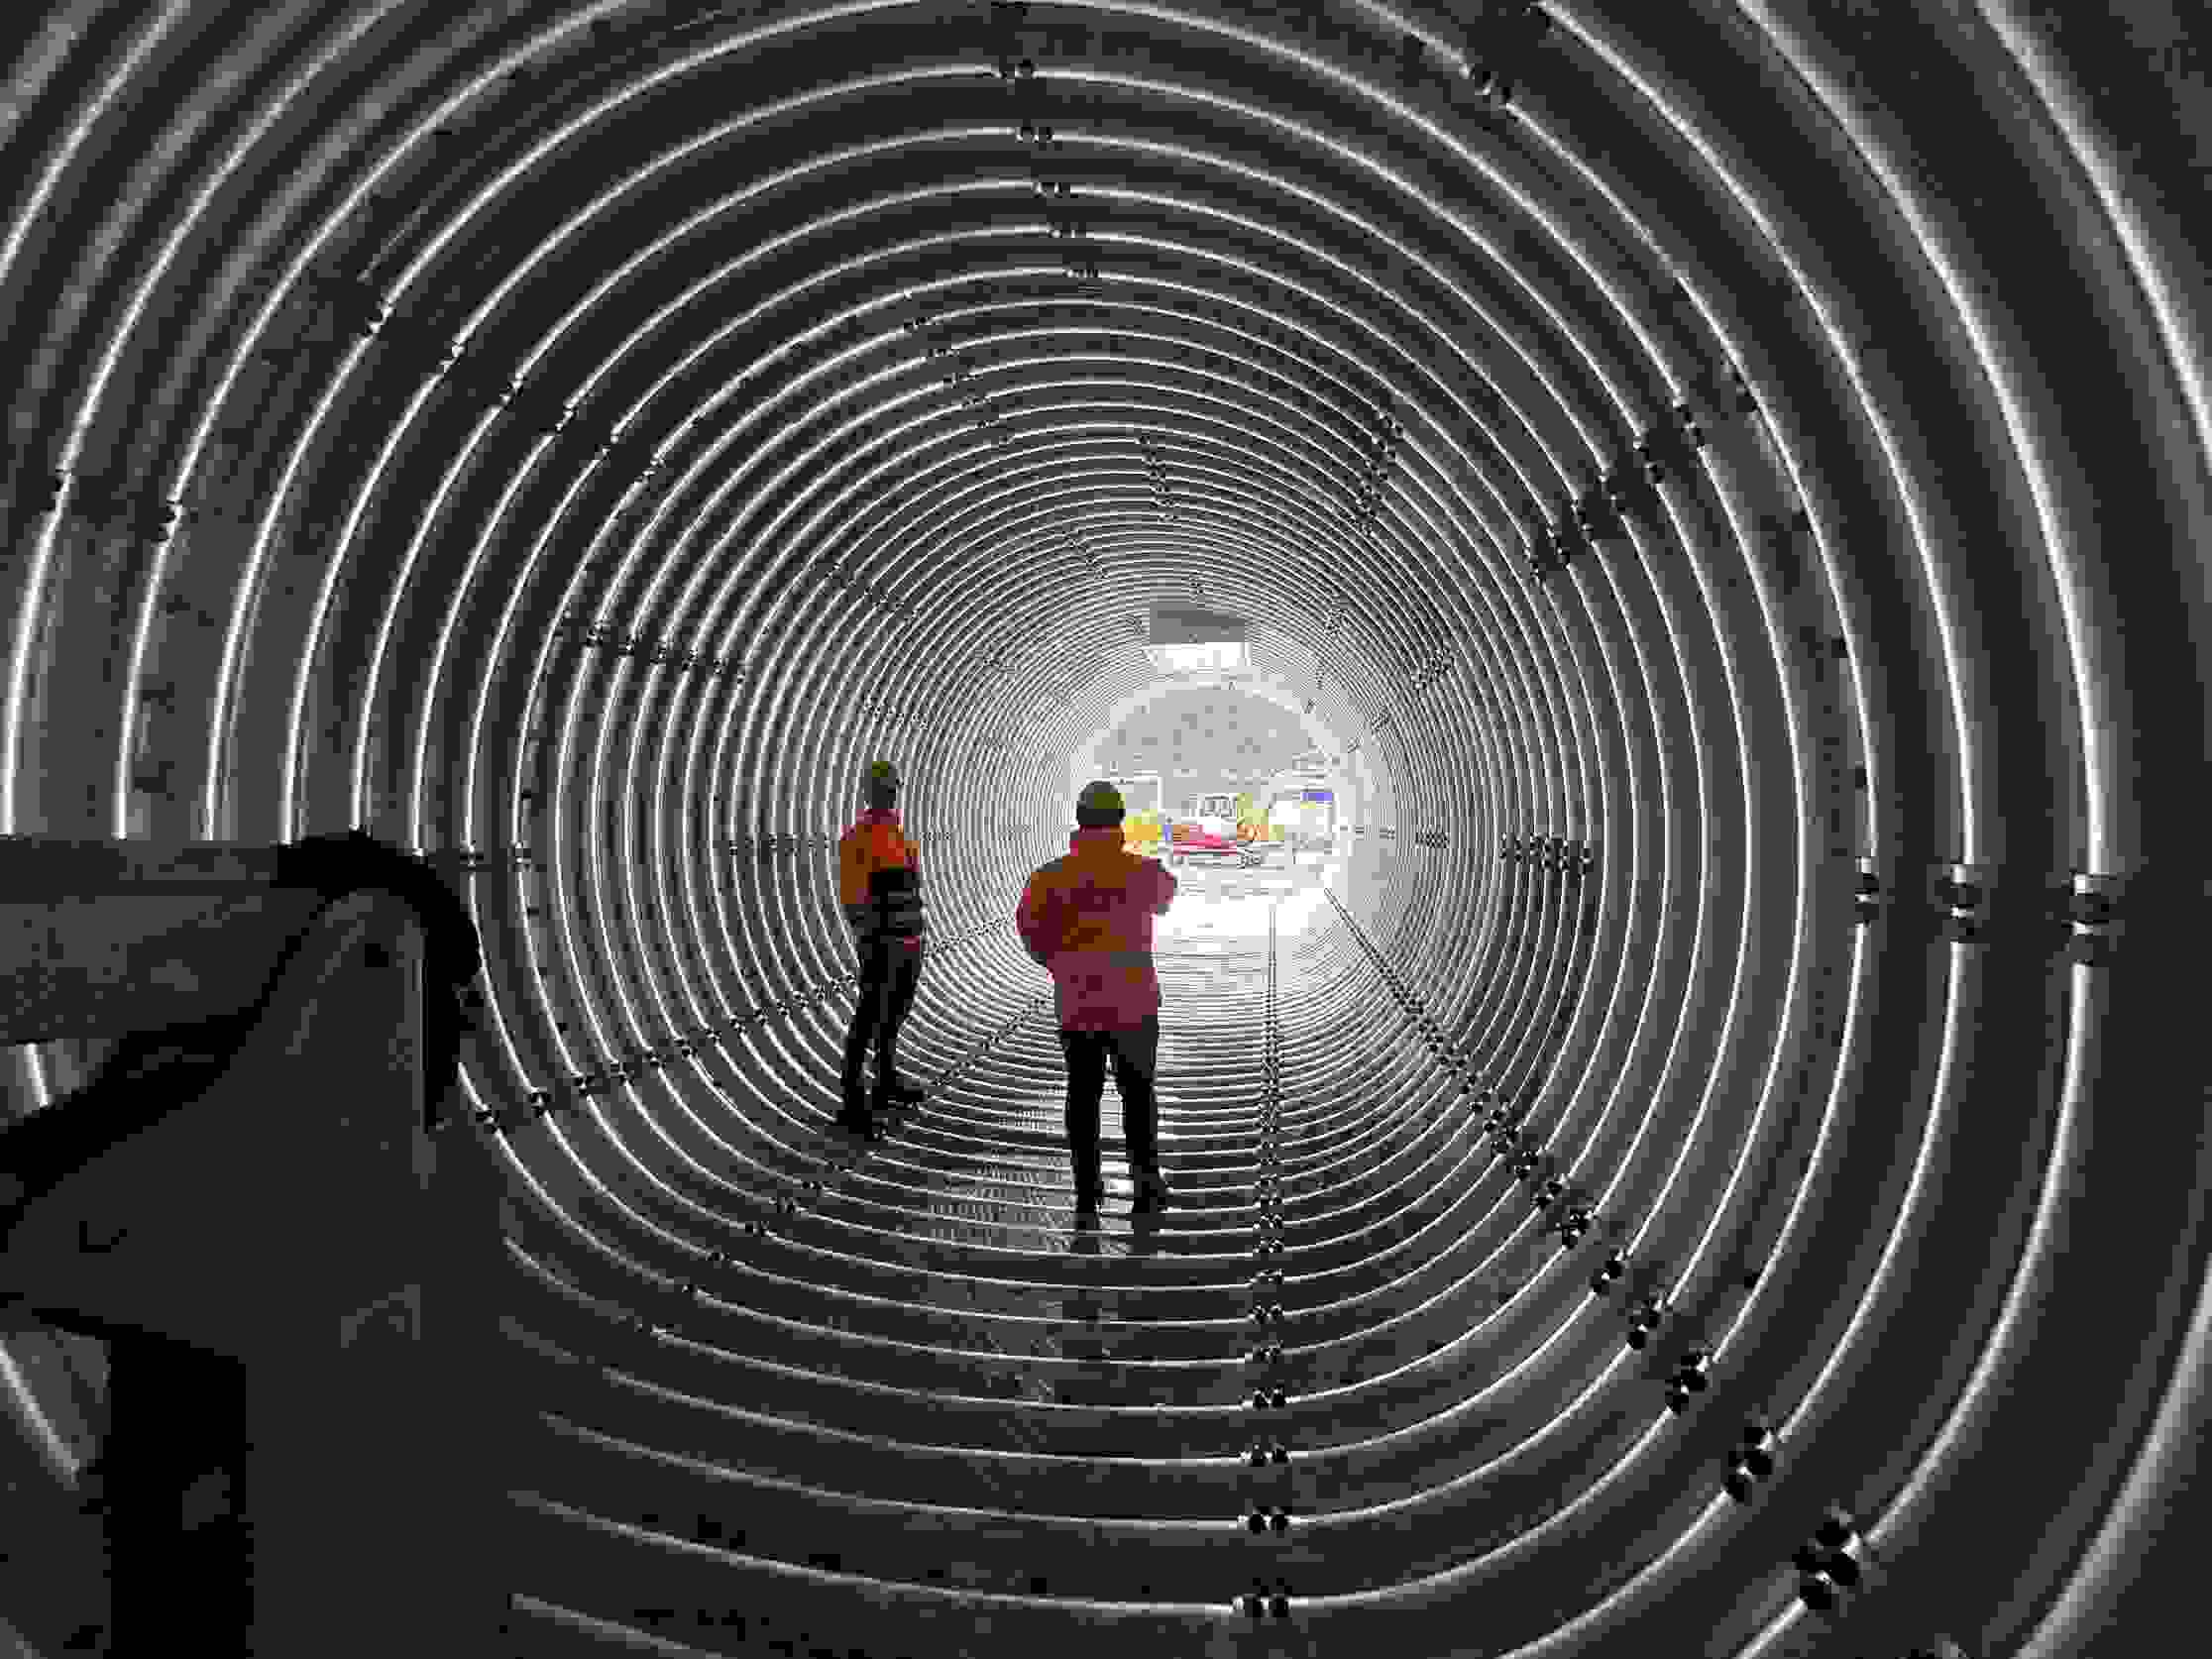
(887, 980)
(1135, 1053)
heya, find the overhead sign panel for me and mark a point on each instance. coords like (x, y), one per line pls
(1142, 792)
(1187, 625)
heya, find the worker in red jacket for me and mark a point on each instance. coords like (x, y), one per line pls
(879, 883)
(1088, 918)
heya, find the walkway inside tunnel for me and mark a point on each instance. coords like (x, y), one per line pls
(1697, 1144)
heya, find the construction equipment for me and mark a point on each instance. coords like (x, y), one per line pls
(290, 1244)
(1205, 832)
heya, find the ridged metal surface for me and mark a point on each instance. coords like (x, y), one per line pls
(572, 445)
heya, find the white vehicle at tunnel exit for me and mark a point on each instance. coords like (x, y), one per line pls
(1206, 833)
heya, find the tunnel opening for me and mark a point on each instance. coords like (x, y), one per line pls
(1666, 665)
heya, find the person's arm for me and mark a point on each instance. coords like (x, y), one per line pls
(1031, 922)
(1168, 891)
(852, 887)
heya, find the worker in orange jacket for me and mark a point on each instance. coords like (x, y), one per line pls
(879, 884)
(1088, 918)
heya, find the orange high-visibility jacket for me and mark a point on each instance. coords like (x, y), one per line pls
(1088, 917)
(879, 882)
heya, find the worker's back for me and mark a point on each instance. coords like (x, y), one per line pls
(1088, 917)
(879, 882)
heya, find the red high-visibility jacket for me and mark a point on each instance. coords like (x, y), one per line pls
(879, 882)
(1088, 917)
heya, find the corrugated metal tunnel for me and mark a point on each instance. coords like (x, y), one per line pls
(1729, 494)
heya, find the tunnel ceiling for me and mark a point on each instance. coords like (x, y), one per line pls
(1736, 487)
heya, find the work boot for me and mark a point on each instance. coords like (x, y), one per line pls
(855, 1115)
(1152, 1193)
